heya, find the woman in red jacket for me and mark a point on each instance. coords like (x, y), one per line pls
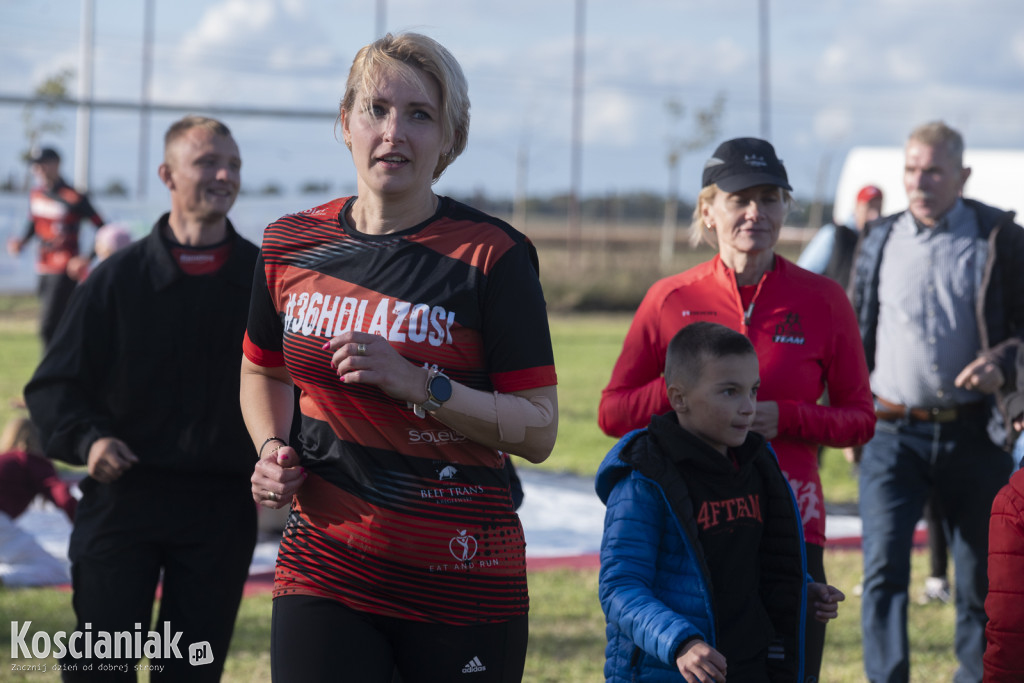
(1004, 633)
(801, 324)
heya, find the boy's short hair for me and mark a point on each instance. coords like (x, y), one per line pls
(697, 342)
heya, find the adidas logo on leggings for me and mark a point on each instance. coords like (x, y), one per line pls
(473, 666)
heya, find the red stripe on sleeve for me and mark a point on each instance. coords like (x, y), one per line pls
(261, 357)
(520, 380)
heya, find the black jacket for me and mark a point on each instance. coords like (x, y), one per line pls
(999, 308)
(151, 356)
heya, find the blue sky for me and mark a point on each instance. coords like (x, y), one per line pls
(843, 73)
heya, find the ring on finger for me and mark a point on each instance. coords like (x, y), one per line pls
(271, 496)
(360, 349)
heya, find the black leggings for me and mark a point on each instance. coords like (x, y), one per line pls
(54, 293)
(317, 639)
(814, 640)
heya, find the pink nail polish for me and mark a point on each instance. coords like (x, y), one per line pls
(326, 346)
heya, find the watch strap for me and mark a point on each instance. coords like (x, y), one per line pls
(431, 404)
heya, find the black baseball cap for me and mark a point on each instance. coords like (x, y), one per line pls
(41, 154)
(745, 162)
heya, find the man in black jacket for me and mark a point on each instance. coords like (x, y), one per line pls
(141, 386)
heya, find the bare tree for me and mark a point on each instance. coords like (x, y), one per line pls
(706, 126)
(40, 116)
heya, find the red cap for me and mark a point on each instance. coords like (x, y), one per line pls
(867, 193)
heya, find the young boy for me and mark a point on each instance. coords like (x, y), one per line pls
(702, 564)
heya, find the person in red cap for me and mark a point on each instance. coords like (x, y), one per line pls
(56, 211)
(830, 252)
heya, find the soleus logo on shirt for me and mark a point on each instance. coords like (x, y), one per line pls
(318, 314)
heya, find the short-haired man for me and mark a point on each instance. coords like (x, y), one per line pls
(56, 211)
(940, 300)
(141, 386)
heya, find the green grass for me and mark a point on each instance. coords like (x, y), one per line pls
(20, 349)
(566, 629)
(566, 624)
(586, 347)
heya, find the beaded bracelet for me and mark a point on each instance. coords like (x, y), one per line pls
(272, 438)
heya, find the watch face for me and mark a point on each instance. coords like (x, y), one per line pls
(441, 388)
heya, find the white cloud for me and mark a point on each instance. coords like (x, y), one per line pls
(1017, 48)
(610, 119)
(833, 124)
(233, 21)
(905, 65)
(287, 57)
(836, 60)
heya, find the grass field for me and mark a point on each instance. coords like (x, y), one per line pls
(567, 627)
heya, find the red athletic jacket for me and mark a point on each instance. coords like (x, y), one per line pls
(24, 476)
(805, 334)
(1004, 655)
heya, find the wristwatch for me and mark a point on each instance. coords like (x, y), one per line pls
(439, 390)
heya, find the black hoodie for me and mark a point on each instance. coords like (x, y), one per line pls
(728, 501)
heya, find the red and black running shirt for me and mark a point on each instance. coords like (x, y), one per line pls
(401, 516)
(55, 216)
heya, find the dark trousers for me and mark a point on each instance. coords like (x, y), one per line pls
(197, 538)
(54, 291)
(938, 549)
(814, 630)
(317, 640)
(900, 467)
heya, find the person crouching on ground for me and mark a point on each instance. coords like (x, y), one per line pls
(702, 565)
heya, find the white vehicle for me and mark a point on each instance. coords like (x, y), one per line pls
(997, 178)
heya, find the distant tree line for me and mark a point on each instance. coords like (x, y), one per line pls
(613, 209)
(631, 207)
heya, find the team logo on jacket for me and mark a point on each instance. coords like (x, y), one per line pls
(462, 547)
(319, 314)
(789, 331)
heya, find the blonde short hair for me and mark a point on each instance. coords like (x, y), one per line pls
(396, 55)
